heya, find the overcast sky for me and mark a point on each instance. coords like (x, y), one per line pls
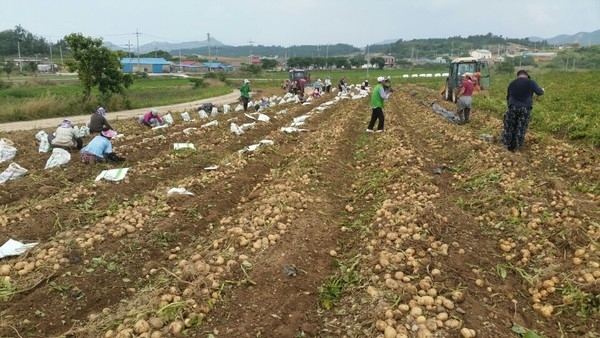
(287, 23)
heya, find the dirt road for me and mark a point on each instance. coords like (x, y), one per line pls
(119, 115)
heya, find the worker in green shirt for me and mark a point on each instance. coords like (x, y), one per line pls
(378, 97)
(245, 93)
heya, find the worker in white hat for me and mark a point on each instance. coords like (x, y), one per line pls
(378, 97)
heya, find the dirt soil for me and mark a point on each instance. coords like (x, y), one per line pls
(429, 229)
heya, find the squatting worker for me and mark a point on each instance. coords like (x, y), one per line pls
(464, 99)
(245, 93)
(378, 97)
(99, 149)
(98, 121)
(151, 119)
(66, 137)
(519, 99)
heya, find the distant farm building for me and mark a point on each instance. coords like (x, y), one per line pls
(146, 65)
(481, 54)
(390, 61)
(540, 56)
(216, 66)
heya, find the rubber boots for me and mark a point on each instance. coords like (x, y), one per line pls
(467, 114)
(461, 116)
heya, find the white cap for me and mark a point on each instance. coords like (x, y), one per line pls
(154, 111)
(246, 81)
(380, 79)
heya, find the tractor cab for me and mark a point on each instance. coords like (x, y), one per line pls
(459, 66)
(299, 78)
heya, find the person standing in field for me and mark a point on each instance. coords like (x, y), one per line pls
(342, 85)
(378, 98)
(463, 103)
(327, 84)
(519, 98)
(245, 93)
(98, 121)
(318, 86)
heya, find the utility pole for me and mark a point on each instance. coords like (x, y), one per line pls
(129, 54)
(51, 60)
(250, 48)
(180, 61)
(327, 57)
(60, 49)
(209, 62)
(368, 62)
(19, 50)
(137, 36)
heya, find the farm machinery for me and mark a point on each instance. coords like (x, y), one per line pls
(459, 66)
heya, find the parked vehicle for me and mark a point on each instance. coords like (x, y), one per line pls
(459, 66)
(299, 78)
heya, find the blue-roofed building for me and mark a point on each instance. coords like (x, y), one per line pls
(217, 66)
(146, 65)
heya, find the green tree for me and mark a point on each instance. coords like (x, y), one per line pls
(269, 63)
(505, 67)
(32, 67)
(357, 60)
(9, 66)
(378, 61)
(252, 69)
(96, 66)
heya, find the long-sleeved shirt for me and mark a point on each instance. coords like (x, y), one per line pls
(520, 92)
(98, 123)
(245, 91)
(379, 96)
(65, 137)
(98, 146)
(148, 116)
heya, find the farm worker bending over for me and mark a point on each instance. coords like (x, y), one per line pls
(66, 137)
(100, 149)
(245, 93)
(151, 119)
(98, 121)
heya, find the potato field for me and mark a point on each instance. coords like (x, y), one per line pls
(429, 229)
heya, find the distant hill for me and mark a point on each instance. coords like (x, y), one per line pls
(172, 48)
(582, 38)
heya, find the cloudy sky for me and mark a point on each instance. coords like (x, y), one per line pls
(288, 23)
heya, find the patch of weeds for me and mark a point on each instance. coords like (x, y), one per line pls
(193, 213)
(7, 289)
(165, 238)
(377, 179)
(481, 181)
(331, 290)
(101, 262)
(86, 205)
(60, 288)
(586, 304)
(173, 311)
(523, 332)
(460, 202)
(593, 188)
(502, 269)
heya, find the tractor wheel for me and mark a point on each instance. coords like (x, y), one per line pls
(447, 94)
(454, 98)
